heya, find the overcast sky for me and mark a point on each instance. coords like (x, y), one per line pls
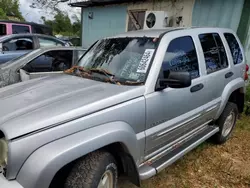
(34, 15)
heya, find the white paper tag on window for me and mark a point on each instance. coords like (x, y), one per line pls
(145, 60)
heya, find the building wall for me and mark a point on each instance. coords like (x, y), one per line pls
(113, 19)
(176, 8)
(107, 21)
(214, 13)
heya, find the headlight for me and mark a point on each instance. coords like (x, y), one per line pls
(3, 152)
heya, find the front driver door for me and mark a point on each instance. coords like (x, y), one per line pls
(174, 112)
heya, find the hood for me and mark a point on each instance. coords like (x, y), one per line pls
(36, 104)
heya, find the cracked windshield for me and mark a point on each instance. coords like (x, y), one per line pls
(118, 60)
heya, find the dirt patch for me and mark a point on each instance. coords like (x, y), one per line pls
(209, 166)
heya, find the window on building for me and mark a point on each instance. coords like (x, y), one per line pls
(181, 56)
(234, 48)
(44, 42)
(25, 43)
(3, 30)
(214, 52)
(20, 29)
(136, 18)
(58, 60)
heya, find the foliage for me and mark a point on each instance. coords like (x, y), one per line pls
(10, 8)
(61, 24)
(3, 14)
(47, 4)
(248, 93)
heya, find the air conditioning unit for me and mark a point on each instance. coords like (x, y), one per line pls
(156, 20)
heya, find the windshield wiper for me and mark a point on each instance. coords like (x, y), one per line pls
(106, 73)
(73, 70)
(133, 83)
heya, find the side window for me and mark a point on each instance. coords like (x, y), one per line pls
(214, 52)
(20, 29)
(48, 42)
(234, 48)
(25, 43)
(181, 56)
(58, 60)
(3, 30)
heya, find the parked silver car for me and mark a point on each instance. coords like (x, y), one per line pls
(133, 105)
(39, 63)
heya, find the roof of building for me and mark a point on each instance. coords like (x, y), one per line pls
(92, 3)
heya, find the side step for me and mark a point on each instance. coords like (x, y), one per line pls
(148, 170)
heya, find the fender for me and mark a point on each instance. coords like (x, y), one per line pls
(40, 168)
(229, 89)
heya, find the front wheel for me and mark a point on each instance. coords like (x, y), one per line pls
(96, 170)
(226, 123)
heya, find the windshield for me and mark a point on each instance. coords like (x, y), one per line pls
(127, 59)
(3, 29)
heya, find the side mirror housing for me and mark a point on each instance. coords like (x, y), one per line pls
(174, 80)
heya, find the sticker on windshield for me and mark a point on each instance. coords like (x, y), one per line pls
(145, 60)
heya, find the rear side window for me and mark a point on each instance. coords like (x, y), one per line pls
(234, 48)
(20, 29)
(181, 56)
(214, 52)
(3, 29)
(44, 42)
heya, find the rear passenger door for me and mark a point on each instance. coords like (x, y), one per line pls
(217, 69)
(235, 52)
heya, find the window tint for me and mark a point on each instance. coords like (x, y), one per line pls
(214, 52)
(3, 29)
(20, 29)
(18, 44)
(181, 56)
(234, 48)
(58, 60)
(49, 42)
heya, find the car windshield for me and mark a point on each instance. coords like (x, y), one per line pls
(127, 59)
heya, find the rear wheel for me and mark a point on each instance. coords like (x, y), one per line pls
(97, 170)
(226, 123)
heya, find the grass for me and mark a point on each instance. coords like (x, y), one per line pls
(209, 166)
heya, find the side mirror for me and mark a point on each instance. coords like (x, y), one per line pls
(1, 47)
(174, 80)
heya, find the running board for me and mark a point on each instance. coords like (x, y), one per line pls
(148, 170)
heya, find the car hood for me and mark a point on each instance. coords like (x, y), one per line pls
(36, 104)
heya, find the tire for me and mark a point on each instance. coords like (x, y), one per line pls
(226, 124)
(93, 170)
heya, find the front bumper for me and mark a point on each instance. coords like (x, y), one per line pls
(4, 183)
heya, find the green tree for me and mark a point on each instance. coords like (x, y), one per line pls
(61, 24)
(10, 8)
(3, 14)
(76, 26)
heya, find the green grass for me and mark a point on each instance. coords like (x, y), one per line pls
(208, 166)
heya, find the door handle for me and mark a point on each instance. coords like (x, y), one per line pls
(229, 74)
(196, 88)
